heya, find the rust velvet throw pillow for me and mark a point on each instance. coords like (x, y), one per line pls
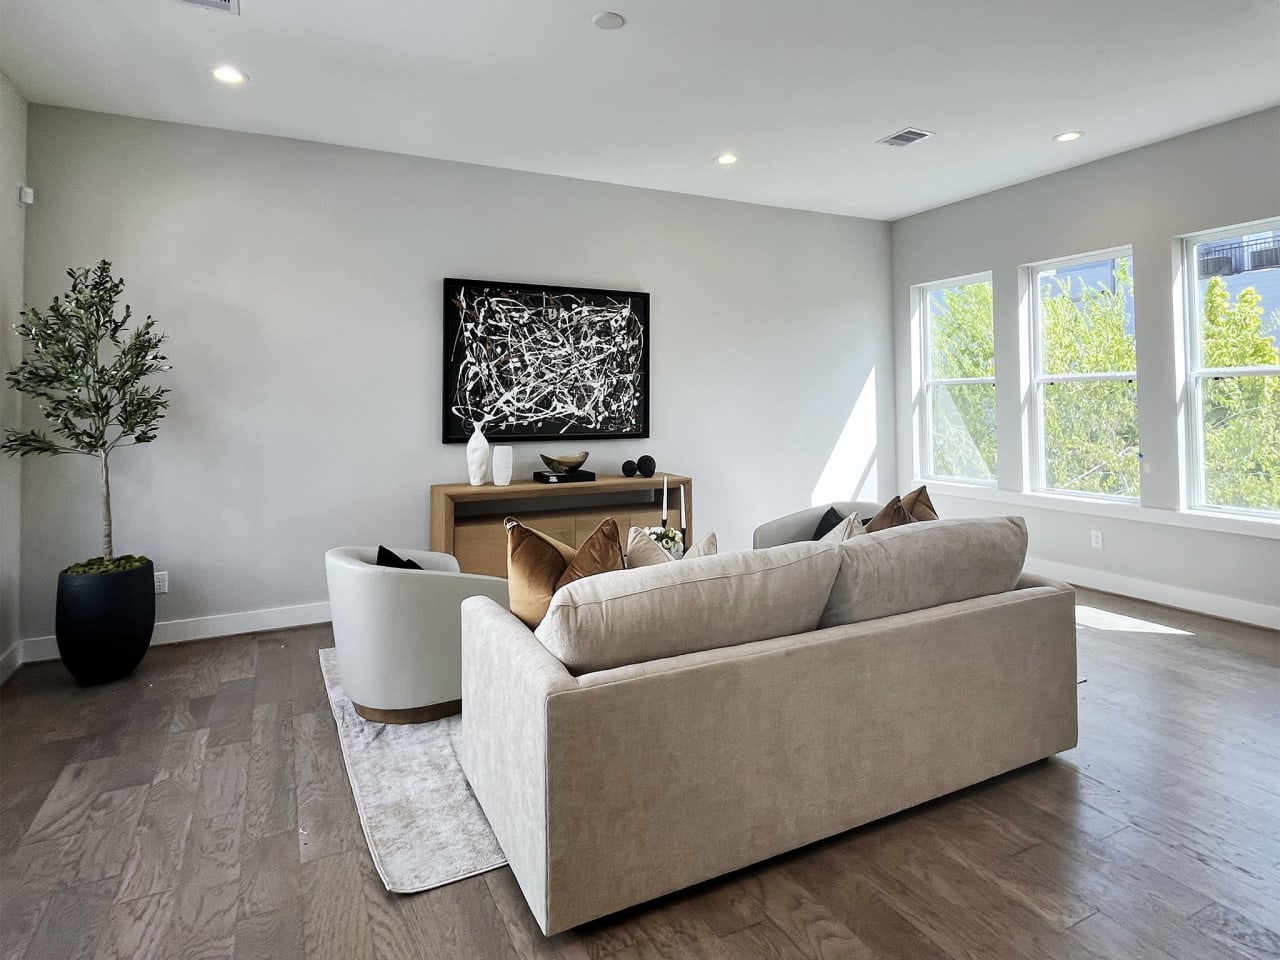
(909, 508)
(539, 565)
(918, 505)
(892, 514)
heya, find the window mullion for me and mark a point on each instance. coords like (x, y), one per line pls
(1262, 371)
(1084, 377)
(961, 381)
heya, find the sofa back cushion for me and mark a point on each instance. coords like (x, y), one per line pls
(921, 565)
(647, 613)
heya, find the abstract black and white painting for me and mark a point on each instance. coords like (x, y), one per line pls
(536, 362)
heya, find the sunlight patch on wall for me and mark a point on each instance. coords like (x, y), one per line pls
(850, 473)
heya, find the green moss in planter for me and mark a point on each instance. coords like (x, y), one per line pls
(101, 565)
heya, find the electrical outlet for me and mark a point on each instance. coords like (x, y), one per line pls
(162, 581)
(1095, 539)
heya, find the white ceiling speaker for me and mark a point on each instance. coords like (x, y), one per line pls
(226, 6)
(608, 20)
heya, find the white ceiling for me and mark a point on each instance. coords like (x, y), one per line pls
(800, 90)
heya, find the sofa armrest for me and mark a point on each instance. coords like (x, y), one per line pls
(1028, 580)
(507, 678)
(798, 526)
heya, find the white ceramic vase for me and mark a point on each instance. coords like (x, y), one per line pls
(477, 455)
(502, 460)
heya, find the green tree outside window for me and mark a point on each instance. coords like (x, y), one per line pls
(1090, 428)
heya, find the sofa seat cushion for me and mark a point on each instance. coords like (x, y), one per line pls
(668, 609)
(920, 565)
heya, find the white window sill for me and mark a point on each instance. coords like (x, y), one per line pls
(1195, 519)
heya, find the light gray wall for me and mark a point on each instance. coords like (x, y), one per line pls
(13, 171)
(300, 286)
(1145, 198)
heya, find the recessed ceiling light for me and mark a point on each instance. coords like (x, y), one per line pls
(726, 159)
(608, 20)
(231, 76)
(1069, 136)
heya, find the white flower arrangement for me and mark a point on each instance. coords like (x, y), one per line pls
(668, 538)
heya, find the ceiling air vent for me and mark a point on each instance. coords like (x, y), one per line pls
(902, 138)
(226, 6)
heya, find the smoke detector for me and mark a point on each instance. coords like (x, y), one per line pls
(904, 138)
(608, 20)
(226, 6)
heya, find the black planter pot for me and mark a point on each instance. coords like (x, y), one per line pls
(104, 622)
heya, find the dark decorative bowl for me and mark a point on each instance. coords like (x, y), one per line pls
(573, 461)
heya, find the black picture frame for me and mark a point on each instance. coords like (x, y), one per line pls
(542, 362)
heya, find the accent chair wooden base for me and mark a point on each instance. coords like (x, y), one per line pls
(432, 711)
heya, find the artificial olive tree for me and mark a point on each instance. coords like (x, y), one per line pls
(87, 372)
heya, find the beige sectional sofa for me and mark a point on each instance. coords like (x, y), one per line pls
(700, 716)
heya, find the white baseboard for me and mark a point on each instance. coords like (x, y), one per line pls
(10, 660)
(278, 618)
(1213, 604)
(198, 628)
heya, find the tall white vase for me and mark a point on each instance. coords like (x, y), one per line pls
(502, 460)
(477, 455)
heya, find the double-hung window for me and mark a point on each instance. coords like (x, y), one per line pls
(1084, 372)
(959, 354)
(1233, 294)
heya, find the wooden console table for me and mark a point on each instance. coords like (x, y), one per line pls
(466, 521)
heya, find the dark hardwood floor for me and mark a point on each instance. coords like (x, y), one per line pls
(200, 809)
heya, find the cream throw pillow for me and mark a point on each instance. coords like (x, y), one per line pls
(643, 552)
(851, 526)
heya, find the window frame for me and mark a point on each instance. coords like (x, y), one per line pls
(1038, 466)
(923, 292)
(1194, 467)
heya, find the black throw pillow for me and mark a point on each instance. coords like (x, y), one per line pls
(388, 559)
(830, 520)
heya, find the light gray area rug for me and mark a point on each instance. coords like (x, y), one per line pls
(424, 825)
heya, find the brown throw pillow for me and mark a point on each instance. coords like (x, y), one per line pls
(539, 565)
(918, 505)
(600, 552)
(892, 514)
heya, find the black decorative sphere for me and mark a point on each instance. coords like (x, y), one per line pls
(629, 468)
(646, 465)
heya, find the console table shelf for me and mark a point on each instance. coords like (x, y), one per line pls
(466, 521)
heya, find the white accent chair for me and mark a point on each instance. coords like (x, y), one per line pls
(398, 633)
(798, 526)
